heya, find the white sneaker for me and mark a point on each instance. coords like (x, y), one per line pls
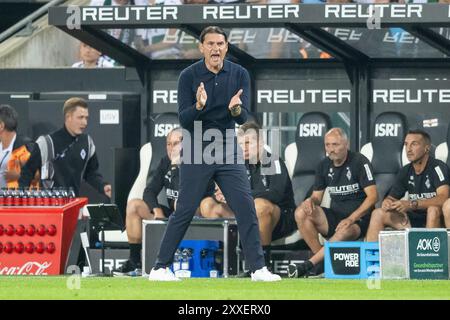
(162, 274)
(264, 275)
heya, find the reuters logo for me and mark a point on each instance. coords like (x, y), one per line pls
(436, 244)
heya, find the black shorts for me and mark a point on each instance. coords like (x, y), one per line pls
(166, 210)
(418, 218)
(286, 225)
(334, 218)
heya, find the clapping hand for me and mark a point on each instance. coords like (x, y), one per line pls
(201, 97)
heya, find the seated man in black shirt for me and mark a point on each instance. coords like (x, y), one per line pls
(271, 188)
(166, 175)
(446, 212)
(427, 182)
(215, 207)
(348, 176)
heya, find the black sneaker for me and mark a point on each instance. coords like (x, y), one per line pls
(243, 274)
(319, 269)
(300, 270)
(128, 269)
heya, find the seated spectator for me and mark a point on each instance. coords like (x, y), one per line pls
(15, 150)
(271, 188)
(124, 35)
(91, 58)
(349, 178)
(167, 175)
(425, 179)
(150, 42)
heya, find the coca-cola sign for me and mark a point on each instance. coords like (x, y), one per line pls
(29, 268)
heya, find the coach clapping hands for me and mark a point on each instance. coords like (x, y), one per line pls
(201, 97)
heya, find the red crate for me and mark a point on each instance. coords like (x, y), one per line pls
(44, 250)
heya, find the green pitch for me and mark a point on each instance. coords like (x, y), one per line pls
(211, 289)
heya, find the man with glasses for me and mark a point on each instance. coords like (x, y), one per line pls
(213, 93)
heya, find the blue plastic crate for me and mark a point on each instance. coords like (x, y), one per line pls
(201, 258)
(352, 260)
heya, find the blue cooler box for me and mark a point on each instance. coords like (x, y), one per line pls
(352, 260)
(198, 257)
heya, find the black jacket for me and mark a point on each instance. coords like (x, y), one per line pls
(168, 176)
(64, 160)
(271, 182)
(22, 150)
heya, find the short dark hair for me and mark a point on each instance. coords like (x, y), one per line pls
(250, 126)
(72, 103)
(212, 29)
(9, 117)
(422, 133)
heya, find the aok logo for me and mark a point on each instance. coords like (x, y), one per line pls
(311, 129)
(429, 244)
(163, 129)
(387, 129)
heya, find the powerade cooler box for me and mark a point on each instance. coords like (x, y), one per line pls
(196, 259)
(352, 260)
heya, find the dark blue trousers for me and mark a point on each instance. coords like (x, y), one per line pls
(232, 180)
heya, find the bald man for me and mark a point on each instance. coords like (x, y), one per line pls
(349, 178)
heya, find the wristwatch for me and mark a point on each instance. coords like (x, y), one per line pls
(414, 204)
(236, 110)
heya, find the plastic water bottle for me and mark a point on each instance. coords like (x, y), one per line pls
(2, 197)
(17, 201)
(24, 197)
(86, 272)
(33, 200)
(60, 197)
(185, 256)
(64, 196)
(72, 195)
(177, 260)
(8, 198)
(185, 271)
(46, 196)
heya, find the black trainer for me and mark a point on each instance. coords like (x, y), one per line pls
(300, 270)
(128, 269)
(319, 268)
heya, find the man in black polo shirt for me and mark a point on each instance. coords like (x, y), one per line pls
(348, 176)
(427, 182)
(213, 93)
(148, 208)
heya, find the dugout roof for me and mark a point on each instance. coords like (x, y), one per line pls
(362, 41)
(347, 32)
